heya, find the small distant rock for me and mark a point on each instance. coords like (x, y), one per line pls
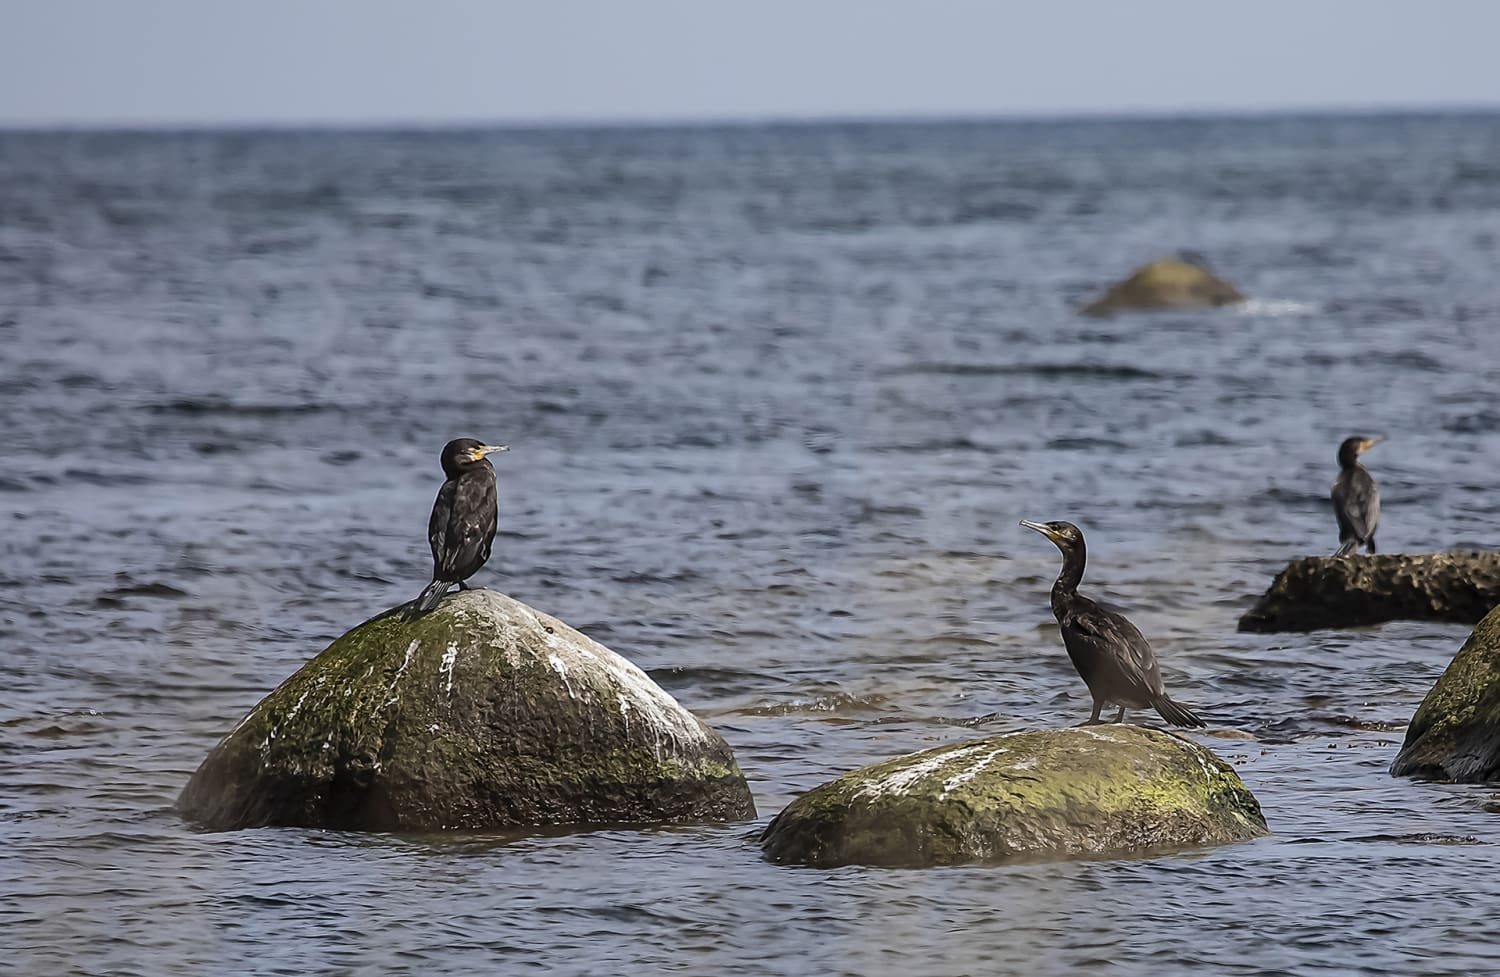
(1455, 734)
(1057, 793)
(484, 713)
(1349, 591)
(1224, 733)
(1168, 283)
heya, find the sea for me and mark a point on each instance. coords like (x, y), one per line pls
(777, 396)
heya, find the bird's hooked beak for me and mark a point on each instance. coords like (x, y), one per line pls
(1369, 443)
(487, 449)
(1039, 528)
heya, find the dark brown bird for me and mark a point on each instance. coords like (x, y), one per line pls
(1111, 655)
(462, 526)
(1356, 501)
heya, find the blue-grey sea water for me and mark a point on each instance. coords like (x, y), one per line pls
(777, 397)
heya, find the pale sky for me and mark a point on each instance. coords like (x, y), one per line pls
(163, 62)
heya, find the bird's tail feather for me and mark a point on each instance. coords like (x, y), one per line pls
(1346, 547)
(432, 595)
(1176, 713)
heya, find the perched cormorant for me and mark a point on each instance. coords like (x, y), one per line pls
(1356, 503)
(462, 526)
(1112, 656)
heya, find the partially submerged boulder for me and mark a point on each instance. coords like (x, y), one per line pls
(484, 713)
(1455, 734)
(1168, 283)
(1348, 591)
(1056, 793)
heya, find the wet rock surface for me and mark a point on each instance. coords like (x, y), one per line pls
(1032, 796)
(1455, 733)
(484, 713)
(1168, 283)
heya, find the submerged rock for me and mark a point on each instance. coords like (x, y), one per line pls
(1026, 796)
(483, 713)
(1455, 734)
(1347, 591)
(1168, 283)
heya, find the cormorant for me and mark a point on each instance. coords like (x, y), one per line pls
(462, 526)
(1111, 655)
(1356, 503)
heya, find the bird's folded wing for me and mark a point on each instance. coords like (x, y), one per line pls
(1358, 507)
(464, 537)
(1113, 635)
(1356, 503)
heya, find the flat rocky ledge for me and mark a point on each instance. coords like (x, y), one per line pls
(1349, 591)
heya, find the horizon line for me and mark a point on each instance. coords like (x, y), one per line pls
(748, 121)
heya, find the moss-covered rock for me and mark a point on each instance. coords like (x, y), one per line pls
(1027, 796)
(1455, 734)
(483, 713)
(1348, 591)
(1169, 283)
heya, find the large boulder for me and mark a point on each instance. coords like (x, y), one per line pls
(1455, 734)
(483, 713)
(1348, 591)
(1027, 796)
(1168, 283)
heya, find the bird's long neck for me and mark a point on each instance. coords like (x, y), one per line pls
(1349, 458)
(467, 468)
(1069, 577)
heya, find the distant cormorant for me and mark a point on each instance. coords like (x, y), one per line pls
(1356, 502)
(1111, 655)
(462, 526)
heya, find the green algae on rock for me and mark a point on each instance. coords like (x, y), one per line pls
(483, 713)
(1349, 591)
(1169, 283)
(1455, 734)
(1057, 793)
